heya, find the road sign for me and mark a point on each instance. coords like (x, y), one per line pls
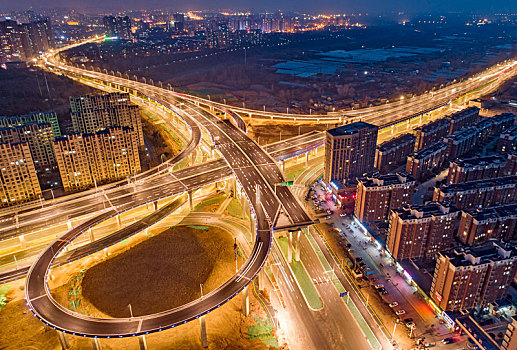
(287, 183)
(343, 294)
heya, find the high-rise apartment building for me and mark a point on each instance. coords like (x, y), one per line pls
(510, 337)
(18, 179)
(478, 226)
(421, 230)
(478, 168)
(350, 152)
(466, 278)
(39, 138)
(463, 118)
(85, 160)
(392, 154)
(37, 117)
(91, 113)
(427, 161)
(117, 27)
(377, 196)
(478, 194)
(24, 41)
(431, 133)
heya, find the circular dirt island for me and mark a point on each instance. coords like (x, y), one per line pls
(162, 272)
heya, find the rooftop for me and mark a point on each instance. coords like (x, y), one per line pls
(490, 251)
(426, 152)
(463, 113)
(480, 161)
(349, 129)
(438, 124)
(484, 183)
(386, 180)
(426, 210)
(501, 211)
(396, 142)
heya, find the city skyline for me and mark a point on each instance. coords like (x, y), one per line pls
(374, 7)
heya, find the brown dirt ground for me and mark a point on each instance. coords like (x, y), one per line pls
(160, 273)
(226, 326)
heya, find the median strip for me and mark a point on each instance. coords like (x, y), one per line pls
(302, 277)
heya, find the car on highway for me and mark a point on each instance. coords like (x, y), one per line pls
(342, 215)
(384, 292)
(379, 286)
(448, 340)
(400, 312)
(328, 217)
(358, 259)
(407, 320)
(410, 325)
(394, 304)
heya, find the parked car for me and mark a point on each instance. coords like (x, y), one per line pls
(384, 292)
(328, 218)
(394, 304)
(379, 286)
(342, 215)
(407, 320)
(358, 259)
(410, 325)
(400, 312)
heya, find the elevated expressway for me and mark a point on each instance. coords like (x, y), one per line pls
(272, 208)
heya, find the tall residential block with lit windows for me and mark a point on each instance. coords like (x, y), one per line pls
(421, 230)
(350, 152)
(85, 160)
(91, 113)
(18, 179)
(39, 138)
(378, 195)
(466, 278)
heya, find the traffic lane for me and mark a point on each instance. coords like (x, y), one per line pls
(339, 321)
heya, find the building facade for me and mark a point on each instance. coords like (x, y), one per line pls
(478, 194)
(86, 160)
(377, 196)
(18, 179)
(478, 168)
(421, 230)
(91, 113)
(39, 138)
(463, 118)
(350, 152)
(424, 163)
(466, 278)
(392, 154)
(478, 226)
(117, 27)
(431, 133)
(37, 117)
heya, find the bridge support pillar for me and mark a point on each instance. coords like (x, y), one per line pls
(234, 187)
(96, 344)
(290, 247)
(155, 205)
(69, 224)
(190, 200)
(63, 340)
(283, 167)
(204, 339)
(246, 301)
(307, 159)
(23, 242)
(261, 282)
(392, 129)
(297, 249)
(142, 342)
(119, 221)
(90, 235)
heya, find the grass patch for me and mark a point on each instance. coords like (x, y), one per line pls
(211, 204)
(263, 331)
(196, 227)
(3, 292)
(303, 278)
(174, 137)
(291, 176)
(234, 208)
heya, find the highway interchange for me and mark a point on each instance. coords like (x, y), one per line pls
(242, 157)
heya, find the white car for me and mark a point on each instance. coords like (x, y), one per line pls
(394, 304)
(342, 215)
(400, 312)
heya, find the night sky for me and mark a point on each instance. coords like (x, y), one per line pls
(320, 6)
